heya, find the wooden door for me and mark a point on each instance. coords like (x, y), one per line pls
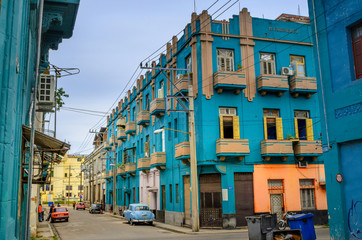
(210, 200)
(163, 204)
(187, 211)
(244, 197)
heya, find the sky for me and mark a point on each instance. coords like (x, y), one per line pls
(112, 37)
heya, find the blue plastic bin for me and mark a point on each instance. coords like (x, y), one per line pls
(304, 222)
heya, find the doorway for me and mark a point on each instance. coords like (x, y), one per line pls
(187, 211)
(244, 197)
(210, 200)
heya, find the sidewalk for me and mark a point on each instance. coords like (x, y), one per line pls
(44, 232)
(187, 230)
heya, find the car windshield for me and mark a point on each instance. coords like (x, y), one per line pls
(60, 209)
(81, 203)
(96, 206)
(141, 208)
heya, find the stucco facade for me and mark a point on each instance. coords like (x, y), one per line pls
(337, 33)
(257, 130)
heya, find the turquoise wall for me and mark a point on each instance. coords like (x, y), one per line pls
(342, 96)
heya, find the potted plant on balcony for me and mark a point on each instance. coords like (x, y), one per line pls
(291, 137)
(239, 68)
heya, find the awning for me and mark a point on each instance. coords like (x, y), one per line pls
(46, 143)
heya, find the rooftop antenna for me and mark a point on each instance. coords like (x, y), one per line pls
(194, 5)
(298, 10)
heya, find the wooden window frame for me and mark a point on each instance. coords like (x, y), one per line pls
(235, 121)
(295, 65)
(228, 60)
(356, 41)
(278, 123)
(264, 63)
(309, 125)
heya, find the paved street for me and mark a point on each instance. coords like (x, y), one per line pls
(83, 225)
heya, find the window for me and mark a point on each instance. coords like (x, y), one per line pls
(147, 147)
(68, 194)
(65, 175)
(188, 63)
(160, 90)
(80, 187)
(356, 33)
(177, 194)
(307, 199)
(47, 188)
(68, 187)
(175, 132)
(298, 65)
(229, 123)
(133, 114)
(267, 63)
(273, 126)
(303, 125)
(51, 188)
(225, 60)
(170, 193)
(79, 159)
(147, 102)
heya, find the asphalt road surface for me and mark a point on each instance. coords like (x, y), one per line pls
(83, 225)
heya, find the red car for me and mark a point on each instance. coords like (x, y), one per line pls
(80, 205)
(59, 213)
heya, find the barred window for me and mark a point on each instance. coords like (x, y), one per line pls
(307, 198)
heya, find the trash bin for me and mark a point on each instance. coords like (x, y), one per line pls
(260, 225)
(304, 222)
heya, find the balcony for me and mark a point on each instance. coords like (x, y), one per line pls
(273, 84)
(143, 118)
(143, 164)
(107, 146)
(182, 152)
(181, 86)
(121, 134)
(232, 148)
(276, 148)
(157, 107)
(305, 148)
(107, 174)
(130, 128)
(130, 168)
(158, 160)
(121, 170)
(225, 80)
(302, 85)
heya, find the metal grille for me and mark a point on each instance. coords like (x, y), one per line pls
(211, 217)
(276, 204)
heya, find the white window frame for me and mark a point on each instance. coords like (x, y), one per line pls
(227, 111)
(267, 66)
(225, 60)
(307, 192)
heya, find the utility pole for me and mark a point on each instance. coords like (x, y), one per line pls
(114, 171)
(193, 164)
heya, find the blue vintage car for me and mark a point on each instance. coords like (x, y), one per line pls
(139, 213)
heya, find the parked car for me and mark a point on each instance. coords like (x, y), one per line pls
(139, 213)
(80, 205)
(95, 208)
(59, 213)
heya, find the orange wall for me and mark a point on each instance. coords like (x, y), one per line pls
(290, 174)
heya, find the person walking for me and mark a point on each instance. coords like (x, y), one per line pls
(50, 211)
(40, 213)
(73, 205)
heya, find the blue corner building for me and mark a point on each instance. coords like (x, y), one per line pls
(337, 32)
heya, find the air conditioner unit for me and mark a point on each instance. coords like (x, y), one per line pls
(302, 164)
(288, 71)
(179, 76)
(46, 93)
(160, 93)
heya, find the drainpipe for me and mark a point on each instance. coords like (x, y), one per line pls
(32, 121)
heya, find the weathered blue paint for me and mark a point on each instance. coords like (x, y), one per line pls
(342, 95)
(18, 32)
(207, 111)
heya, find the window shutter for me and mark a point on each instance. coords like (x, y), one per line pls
(279, 124)
(357, 52)
(221, 127)
(147, 149)
(236, 129)
(309, 123)
(296, 127)
(265, 129)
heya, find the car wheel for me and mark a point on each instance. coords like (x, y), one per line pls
(67, 219)
(51, 220)
(132, 223)
(151, 223)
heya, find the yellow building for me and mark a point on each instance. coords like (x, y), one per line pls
(66, 182)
